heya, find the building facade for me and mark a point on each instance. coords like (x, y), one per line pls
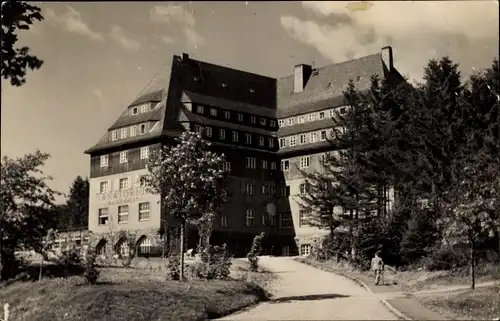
(269, 129)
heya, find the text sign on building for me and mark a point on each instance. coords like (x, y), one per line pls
(122, 197)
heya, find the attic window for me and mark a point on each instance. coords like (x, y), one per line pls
(224, 85)
(135, 111)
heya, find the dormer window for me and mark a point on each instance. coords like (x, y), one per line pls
(213, 112)
(114, 135)
(263, 121)
(142, 129)
(123, 133)
(135, 111)
(199, 109)
(144, 108)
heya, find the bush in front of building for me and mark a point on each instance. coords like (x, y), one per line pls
(70, 260)
(91, 272)
(173, 269)
(255, 251)
(214, 263)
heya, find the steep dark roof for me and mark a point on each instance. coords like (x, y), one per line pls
(324, 89)
(126, 119)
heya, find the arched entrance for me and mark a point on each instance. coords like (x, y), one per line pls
(101, 247)
(144, 246)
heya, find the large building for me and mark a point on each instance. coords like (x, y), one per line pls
(267, 128)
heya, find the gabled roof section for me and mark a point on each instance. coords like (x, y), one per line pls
(327, 83)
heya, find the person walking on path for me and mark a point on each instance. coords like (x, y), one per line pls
(377, 267)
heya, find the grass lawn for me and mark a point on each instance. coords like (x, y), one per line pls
(127, 294)
(480, 304)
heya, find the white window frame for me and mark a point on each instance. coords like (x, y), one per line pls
(198, 129)
(281, 123)
(311, 117)
(224, 220)
(293, 140)
(144, 212)
(122, 214)
(104, 184)
(285, 165)
(262, 141)
(125, 185)
(249, 188)
(104, 160)
(135, 110)
(253, 119)
(234, 136)
(305, 162)
(200, 109)
(321, 115)
(290, 121)
(144, 108)
(227, 166)
(213, 112)
(250, 162)
(133, 131)
(103, 213)
(145, 246)
(208, 131)
(313, 137)
(240, 117)
(227, 114)
(272, 123)
(300, 119)
(249, 217)
(332, 113)
(282, 142)
(248, 138)
(123, 157)
(273, 166)
(305, 249)
(264, 189)
(302, 139)
(270, 142)
(145, 152)
(142, 129)
(302, 217)
(321, 138)
(263, 121)
(222, 134)
(264, 164)
(114, 135)
(123, 133)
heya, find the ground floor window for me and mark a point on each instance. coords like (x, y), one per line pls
(145, 246)
(305, 249)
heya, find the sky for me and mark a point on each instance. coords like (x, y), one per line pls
(98, 56)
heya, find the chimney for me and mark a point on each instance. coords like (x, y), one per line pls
(185, 56)
(301, 76)
(387, 57)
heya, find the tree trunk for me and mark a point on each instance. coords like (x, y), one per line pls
(472, 266)
(41, 270)
(1, 250)
(181, 269)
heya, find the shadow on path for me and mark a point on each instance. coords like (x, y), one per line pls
(312, 297)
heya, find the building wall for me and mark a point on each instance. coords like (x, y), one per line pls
(131, 196)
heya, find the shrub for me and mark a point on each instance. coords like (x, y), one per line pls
(255, 251)
(173, 269)
(215, 264)
(91, 272)
(445, 258)
(70, 260)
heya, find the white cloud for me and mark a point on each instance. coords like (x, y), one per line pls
(122, 38)
(415, 29)
(72, 21)
(176, 14)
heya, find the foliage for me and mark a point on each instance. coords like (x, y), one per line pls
(70, 259)
(173, 270)
(91, 272)
(17, 16)
(191, 180)
(26, 202)
(255, 251)
(215, 263)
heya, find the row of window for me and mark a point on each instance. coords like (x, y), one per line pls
(124, 156)
(123, 184)
(123, 214)
(266, 189)
(304, 162)
(130, 131)
(251, 162)
(304, 138)
(310, 117)
(208, 132)
(266, 219)
(140, 109)
(251, 119)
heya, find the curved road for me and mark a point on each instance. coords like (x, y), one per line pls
(302, 292)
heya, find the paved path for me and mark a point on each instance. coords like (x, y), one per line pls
(302, 292)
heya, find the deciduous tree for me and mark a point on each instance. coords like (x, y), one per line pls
(17, 16)
(191, 181)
